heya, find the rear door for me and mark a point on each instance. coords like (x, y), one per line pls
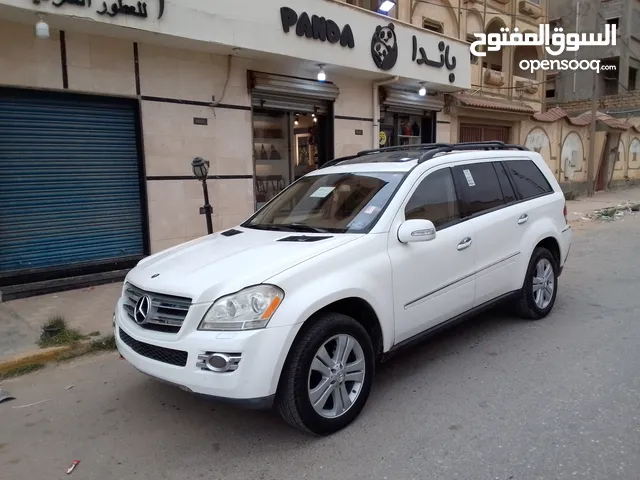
(486, 196)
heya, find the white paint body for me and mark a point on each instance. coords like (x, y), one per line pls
(376, 267)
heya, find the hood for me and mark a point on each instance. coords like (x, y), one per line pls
(218, 264)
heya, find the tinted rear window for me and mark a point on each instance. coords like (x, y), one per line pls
(529, 181)
(480, 187)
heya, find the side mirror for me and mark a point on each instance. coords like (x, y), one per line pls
(416, 231)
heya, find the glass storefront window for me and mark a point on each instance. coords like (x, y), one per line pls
(271, 153)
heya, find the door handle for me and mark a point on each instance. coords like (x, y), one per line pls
(465, 243)
(523, 219)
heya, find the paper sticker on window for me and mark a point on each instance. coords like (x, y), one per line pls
(469, 178)
(322, 192)
(371, 209)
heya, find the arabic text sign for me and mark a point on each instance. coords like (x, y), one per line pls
(139, 9)
(570, 42)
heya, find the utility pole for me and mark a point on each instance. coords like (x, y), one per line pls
(594, 111)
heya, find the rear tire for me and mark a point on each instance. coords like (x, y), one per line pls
(538, 294)
(332, 363)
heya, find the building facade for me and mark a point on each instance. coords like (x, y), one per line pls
(101, 117)
(502, 95)
(582, 17)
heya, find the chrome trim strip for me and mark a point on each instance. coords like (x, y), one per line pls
(433, 292)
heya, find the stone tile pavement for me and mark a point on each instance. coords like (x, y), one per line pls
(87, 309)
(91, 309)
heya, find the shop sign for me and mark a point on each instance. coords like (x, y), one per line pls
(110, 8)
(384, 47)
(445, 61)
(317, 28)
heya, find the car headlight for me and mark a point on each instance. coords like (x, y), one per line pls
(247, 309)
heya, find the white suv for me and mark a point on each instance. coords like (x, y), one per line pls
(343, 268)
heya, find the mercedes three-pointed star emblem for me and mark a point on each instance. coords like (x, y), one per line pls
(141, 312)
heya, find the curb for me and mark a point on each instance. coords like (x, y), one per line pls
(45, 355)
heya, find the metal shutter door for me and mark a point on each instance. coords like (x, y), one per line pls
(69, 182)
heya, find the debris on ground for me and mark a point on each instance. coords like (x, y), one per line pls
(5, 396)
(73, 465)
(33, 404)
(614, 213)
(69, 387)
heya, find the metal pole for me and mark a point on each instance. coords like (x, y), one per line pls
(594, 111)
(207, 207)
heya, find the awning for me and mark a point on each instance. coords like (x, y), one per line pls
(493, 104)
(400, 100)
(605, 120)
(290, 93)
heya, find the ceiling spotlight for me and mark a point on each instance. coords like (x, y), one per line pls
(321, 75)
(315, 119)
(423, 91)
(42, 29)
(386, 6)
(297, 120)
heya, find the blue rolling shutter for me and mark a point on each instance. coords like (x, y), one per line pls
(69, 182)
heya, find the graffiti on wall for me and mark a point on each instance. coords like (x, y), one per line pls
(538, 141)
(634, 153)
(572, 155)
(621, 155)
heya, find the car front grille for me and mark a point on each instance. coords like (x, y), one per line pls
(160, 354)
(166, 313)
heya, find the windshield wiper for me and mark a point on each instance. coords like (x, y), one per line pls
(288, 227)
(303, 227)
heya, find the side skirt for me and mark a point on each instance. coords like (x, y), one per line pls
(422, 336)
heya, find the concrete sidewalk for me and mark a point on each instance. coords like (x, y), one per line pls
(91, 309)
(88, 309)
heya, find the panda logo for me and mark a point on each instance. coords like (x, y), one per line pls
(384, 47)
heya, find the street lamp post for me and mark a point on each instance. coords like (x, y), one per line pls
(200, 169)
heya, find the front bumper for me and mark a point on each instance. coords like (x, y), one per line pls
(173, 359)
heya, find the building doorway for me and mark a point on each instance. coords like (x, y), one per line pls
(292, 130)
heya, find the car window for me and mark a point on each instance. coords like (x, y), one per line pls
(434, 199)
(527, 178)
(479, 188)
(336, 203)
(507, 190)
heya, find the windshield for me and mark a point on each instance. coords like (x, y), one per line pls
(336, 203)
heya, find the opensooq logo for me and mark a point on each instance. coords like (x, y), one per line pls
(569, 42)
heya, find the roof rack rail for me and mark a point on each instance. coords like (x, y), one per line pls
(432, 149)
(489, 145)
(400, 148)
(335, 161)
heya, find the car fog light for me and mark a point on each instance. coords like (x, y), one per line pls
(218, 362)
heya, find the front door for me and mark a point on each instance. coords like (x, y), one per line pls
(434, 280)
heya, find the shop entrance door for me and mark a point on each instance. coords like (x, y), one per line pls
(292, 130)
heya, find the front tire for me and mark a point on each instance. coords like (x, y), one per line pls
(327, 379)
(538, 294)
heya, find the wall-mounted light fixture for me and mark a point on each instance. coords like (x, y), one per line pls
(42, 29)
(423, 91)
(297, 120)
(386, 6)
(321, 75)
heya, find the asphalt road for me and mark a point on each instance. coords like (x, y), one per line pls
(496, 398)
